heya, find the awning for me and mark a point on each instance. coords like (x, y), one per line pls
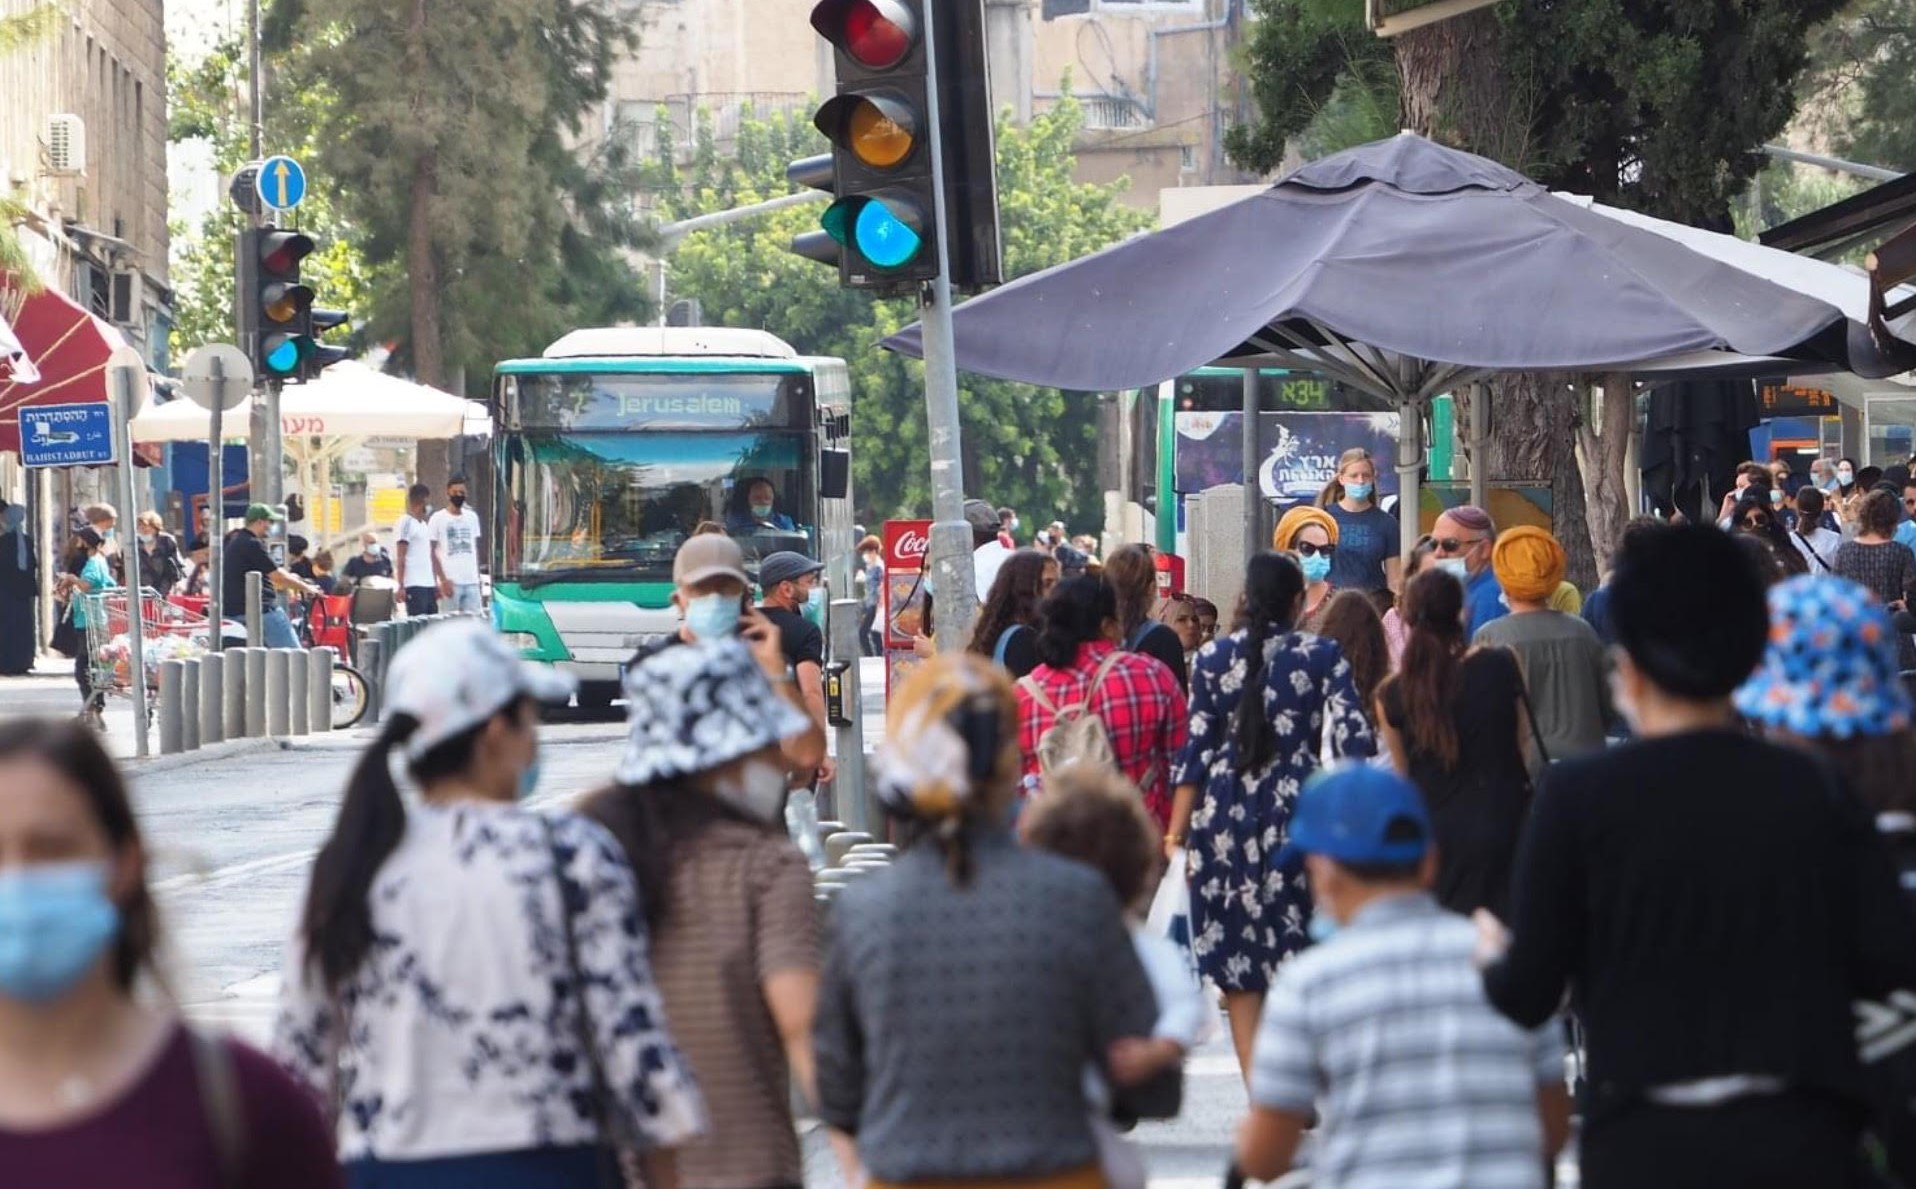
(67, 346)
(349, 400)
(14, 364)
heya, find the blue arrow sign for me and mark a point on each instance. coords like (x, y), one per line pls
(281, 183)
(66, 435)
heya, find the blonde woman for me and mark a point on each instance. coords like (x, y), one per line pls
(1367, 536)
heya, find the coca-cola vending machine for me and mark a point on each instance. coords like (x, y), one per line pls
(902, 602)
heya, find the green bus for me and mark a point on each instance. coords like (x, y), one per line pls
(616, 444)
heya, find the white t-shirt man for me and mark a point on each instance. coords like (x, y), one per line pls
(457, 536)
(418, 541)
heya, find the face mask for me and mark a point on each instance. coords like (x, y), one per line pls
(109, 534)
(1014, 526)
(1322, 927)
(762, 511)
(146, 538)
(815, 606)
(1776, 497)
(529, 779)
(1456, 567)
(55, 922)
(1845, 477)
(712, 617)
(372, 551)
(1317, 567)
(458, 502)
(1359, 491)
(758, 791)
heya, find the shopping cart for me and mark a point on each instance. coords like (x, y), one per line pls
(170, 632)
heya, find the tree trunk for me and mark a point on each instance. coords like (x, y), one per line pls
(1601, 453)
(1452, 89)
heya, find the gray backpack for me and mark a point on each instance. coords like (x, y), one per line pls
(1075, 736)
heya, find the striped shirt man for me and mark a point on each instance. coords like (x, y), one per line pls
(1419, 1083)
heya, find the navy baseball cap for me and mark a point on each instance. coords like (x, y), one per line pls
(1356, 813)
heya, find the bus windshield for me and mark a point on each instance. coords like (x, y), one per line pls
(617, 506)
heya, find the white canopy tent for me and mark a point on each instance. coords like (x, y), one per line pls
(321, 421)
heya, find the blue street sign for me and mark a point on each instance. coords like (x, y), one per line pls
(281, 183)
(66, 435)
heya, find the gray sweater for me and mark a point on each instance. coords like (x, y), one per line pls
(954, 1025)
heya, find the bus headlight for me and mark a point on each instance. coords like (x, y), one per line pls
(523, 641)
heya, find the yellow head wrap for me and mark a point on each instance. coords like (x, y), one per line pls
(1567, 599)
(924, 765)
(1297, 520)
(1528, 562)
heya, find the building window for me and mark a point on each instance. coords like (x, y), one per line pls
(1107, 113)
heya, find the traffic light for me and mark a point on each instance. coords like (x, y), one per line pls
(284, 326)
(880, 229)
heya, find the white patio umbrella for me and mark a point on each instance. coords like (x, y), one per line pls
(350, 400)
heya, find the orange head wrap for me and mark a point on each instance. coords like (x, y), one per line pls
(1297, 520)
(1529, 563)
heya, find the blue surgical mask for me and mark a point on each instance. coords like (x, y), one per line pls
(1359, 491)
(1456, 567)
(1776, 497)
(815, 606)
(529, 779)
(762, 511)
(712, 617)
(1323, 927)
(56, 919)
(1316, 567)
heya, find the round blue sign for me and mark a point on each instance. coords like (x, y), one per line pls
(281, 183)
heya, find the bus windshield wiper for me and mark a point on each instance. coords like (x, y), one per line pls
(584, 573)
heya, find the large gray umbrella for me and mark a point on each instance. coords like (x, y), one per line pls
(1404, 268)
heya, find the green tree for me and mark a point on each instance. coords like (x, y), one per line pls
(1034, 448)
(18, 31)
(1864, 82)
(453, 135)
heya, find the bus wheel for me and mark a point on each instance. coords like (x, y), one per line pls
(597, 695)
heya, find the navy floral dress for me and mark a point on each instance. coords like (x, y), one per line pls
(1247, 916)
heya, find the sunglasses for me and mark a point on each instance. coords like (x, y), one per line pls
(1756, 522)
(1309, 550)
(1454, 544)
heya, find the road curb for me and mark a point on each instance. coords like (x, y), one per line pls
(211, 753)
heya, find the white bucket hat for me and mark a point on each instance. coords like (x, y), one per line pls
(455, 675)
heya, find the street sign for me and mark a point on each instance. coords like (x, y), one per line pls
(281, 182)
(67, 435)
(243, 189)
(235, 376)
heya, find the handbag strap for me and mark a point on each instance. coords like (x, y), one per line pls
(1812, 549)
(1529, 711)
(220, 1103)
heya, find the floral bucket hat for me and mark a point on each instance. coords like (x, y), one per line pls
(696, 707)
(1831, 668)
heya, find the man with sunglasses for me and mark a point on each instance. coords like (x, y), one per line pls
(1906, 531)
(1461, 543)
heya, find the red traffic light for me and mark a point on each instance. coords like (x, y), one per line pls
(281, 251)
(877, 34)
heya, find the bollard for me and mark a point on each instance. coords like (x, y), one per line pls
(255, 692)
(212, 699)
(255, 603)
(190, 704)
(233, 703)
(298, 689)
(372, 657)
(319, 690)
(279, 698)
(172, 679)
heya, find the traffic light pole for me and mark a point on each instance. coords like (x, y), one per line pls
(955, 578)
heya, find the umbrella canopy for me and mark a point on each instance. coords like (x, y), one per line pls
(348, 400)
(66, 351)
(1404, 268)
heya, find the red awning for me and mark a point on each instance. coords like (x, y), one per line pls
(69, 347)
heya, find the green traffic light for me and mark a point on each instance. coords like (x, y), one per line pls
(282, 358)
(836, 218)
(884, 238)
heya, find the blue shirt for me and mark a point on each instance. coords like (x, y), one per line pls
(1365, 540)
(1485, 598)
(1906, 534)
(745, 522)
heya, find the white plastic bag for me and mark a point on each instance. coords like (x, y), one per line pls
(1173, 899)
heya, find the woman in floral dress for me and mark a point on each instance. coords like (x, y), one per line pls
(1239, 776)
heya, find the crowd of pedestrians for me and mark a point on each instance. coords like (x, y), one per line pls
(1426, 835)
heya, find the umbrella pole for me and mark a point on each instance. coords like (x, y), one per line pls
(1410, 459)
(1480, 445)
(1253, 495)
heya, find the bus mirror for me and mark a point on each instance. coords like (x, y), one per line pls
(834, 474)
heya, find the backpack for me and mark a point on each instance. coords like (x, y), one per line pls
(1075, 736)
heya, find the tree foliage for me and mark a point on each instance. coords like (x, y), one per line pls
(1865, 82)
(1034, 448)
(453, 133)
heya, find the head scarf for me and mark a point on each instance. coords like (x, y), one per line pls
(1528, 562)
(1567, 599)
(924, 765)
(1297, 520)
(12, 520)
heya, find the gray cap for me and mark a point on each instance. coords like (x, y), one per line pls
(785, 567)
(980, 515)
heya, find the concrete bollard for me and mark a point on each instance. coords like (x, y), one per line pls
(279, 698)
(298, 689)
(319, 690)
(172, 681)
(190, 704)
(233, 708)
(212, 699)
(372, 663)
(255, 693)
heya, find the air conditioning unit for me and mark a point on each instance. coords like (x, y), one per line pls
(66, 144)
(128, 295)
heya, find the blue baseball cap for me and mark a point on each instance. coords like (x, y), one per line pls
(1357, 813)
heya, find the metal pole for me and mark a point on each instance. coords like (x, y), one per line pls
(216, 509)
(1480, 445)
(190, 704)
(298, 688)
(172, 691)
(1254, 539)
(954, 576)
(258, 92)
(279, 692)
(255, 616)
(1410, 460)
(213, 699)
(124, 386)
(848, 789)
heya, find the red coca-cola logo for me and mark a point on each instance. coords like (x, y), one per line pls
(906, 544)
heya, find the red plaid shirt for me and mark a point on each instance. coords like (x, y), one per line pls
(1142, 709)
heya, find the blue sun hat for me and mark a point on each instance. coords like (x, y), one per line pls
(1831, 668)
